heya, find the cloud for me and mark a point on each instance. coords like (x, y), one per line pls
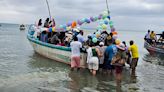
(126, 14)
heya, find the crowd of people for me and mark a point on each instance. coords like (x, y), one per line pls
(105, 53)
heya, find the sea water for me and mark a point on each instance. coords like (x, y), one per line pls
(23, 70)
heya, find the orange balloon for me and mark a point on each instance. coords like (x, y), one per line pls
(74, 24)
(114, 33)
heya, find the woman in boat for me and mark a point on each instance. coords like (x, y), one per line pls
(40, 23)
(46, 23)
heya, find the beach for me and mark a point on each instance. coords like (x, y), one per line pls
(23, 70)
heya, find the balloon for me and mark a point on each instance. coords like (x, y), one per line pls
(79, 22)
(105, 13)
(114, 33)
(99, 28)
(100, 16)
(112, 29)
(64, 26)
(111, 22)
(92, 19)
(95, 18)
(94, 40)
(61, 27)
(83, 20)
(103, 17)
(104, 26)
(50, 29)
(68, 28)
(106, 22)
(74, 24)
(53, 29)
(108, 17)
(117, 41)
(87, 20)
(98, 34)
(69, 24)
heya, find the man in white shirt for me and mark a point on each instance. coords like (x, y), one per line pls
(147, 37)
(75, 57)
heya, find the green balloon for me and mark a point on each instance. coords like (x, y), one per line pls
(94, 40)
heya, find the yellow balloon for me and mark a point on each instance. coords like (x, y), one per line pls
(117, 41)
(104, 26)
(53, 29)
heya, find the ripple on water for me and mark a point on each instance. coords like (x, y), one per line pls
(34, 82)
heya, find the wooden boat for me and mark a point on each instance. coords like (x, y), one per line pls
(54, 52)
(154, 49)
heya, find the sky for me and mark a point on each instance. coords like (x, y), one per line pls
(126, 14)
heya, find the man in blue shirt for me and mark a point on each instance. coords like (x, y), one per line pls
(110, 52)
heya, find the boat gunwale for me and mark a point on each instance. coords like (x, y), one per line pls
(63, 48)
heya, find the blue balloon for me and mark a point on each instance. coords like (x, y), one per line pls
(69, 24)
(65, 27)
(106, 22)
(83, 20)
(50, 29)
(108, 17)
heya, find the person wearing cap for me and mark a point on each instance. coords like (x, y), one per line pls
(135, 55)
(101, 48)
(110, 52)
(119, 61)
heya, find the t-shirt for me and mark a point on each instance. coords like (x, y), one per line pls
(75, 48)
(80, 38)
(134, 50)
(102, 50)
(147, 36)
(110, 52)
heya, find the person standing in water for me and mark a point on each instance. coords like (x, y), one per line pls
(119, 61)
(92, 58)
(75, 57)
(135, 56)
(110, 52)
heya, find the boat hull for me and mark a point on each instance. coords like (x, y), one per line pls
(57, 53)
(152, 49)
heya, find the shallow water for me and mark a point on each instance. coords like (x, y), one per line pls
(22, 70)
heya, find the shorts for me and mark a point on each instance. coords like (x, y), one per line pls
(107, 65)
(93, 63)
(133, 63)
(118, 69)
(75, 61)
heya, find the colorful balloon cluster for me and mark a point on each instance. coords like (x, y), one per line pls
(105, 21)
(82, 21)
